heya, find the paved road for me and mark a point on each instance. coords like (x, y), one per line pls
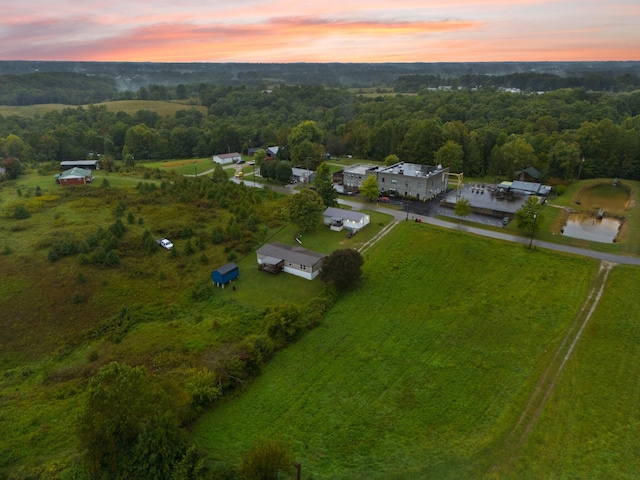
(402, 215)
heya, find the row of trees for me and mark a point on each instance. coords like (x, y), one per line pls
(480, 133)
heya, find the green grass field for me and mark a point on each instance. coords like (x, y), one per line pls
(590, 426)
(161, 107)
(423, 371)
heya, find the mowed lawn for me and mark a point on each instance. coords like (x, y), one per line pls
(423, 371)
(591, 424)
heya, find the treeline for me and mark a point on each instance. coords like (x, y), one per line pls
(526, 82)
(94, 83)
(55, 87)
(481, 132)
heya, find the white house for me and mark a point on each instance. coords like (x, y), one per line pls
(302, 175)
(275, 257)
(227, 158)
(338, 218)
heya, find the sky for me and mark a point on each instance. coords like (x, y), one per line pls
(286, 31)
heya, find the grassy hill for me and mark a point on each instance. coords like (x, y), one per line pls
(424, 371)
(421, 373)
(161, 107)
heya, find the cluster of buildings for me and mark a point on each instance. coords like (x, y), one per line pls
(296, 260)
(422, 182)
(77, 172)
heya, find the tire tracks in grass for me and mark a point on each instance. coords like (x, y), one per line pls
(377, 237)
(520, 433)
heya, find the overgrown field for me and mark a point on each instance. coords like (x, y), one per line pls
(424, 370)
(65, 311)
(64, 315)
(161, 107)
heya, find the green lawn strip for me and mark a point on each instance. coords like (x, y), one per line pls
(189, 166)
(259, 289)
(419, 371)
(590, 425)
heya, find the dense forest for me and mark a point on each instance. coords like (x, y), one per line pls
(77, 83)
(482, 132)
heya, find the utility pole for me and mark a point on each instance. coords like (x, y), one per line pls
(580, 169)
(195, 168)
(533, 229)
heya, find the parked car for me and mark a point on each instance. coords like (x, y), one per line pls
(165, 243)
(383, 199)
(240, 162)
(239, 174)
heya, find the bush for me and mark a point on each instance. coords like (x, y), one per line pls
(284, 322)
(560, 189)
(266, 460)
(21, 212)
(201, 384)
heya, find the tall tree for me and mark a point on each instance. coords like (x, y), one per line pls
(305, 209)
(462, 208)
(323, 181)
(422, 141)
(305, 144)
(450, 155)
(259, 156)
(343, 269)
(529, 216)
(370, 189)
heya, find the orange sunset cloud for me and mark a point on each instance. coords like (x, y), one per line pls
(352, 31)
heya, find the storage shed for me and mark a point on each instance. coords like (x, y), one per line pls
(225, 274)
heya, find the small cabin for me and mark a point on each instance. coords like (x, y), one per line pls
(225, 274)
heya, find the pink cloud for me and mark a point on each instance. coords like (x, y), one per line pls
(347, 31)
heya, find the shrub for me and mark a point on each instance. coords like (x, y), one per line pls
(21, 212)
(79, 297)
(283, 322)
(266, 460)
(202, 386)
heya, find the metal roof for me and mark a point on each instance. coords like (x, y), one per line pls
(223, 270)
(298, 255)
(76, 172)
(342, 214)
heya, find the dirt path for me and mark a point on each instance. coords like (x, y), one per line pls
(545, 386)
(377, 237)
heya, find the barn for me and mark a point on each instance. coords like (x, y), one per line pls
(74, 176)
(225, 274)
(86, 164)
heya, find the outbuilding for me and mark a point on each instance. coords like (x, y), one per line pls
(74, 176)
(227, 158)
(225, 274)
(86, 164)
